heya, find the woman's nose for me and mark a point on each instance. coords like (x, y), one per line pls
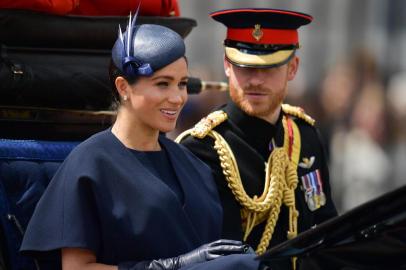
(176, 97)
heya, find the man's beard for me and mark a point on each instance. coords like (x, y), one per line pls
(263, 110)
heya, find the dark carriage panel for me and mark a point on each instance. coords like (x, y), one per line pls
(371, 236)
(62, 61)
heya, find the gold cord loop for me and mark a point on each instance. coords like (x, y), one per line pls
(280, 183)
(281, 177)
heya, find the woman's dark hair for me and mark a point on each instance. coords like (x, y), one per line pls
(114, 72)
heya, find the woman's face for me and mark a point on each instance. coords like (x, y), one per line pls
(155, 102)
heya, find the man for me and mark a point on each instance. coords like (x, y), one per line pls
(267, 158)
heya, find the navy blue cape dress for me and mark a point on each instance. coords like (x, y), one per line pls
(104, 199)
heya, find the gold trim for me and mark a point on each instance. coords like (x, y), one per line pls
(280, 183)
(281, 180)
(203, 127)
(298, 112)
(241, 58)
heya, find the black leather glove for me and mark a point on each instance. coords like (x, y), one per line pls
(263, 266)
(203, 253)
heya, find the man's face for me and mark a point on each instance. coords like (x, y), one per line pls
(259, 91)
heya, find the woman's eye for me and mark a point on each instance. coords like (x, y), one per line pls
(162, 84)
(182, 85)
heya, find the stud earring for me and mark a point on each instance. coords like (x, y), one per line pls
(125, 97)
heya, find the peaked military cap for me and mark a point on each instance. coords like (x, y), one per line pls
(259, 37)
(143, 49)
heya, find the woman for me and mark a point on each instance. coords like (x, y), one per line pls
(128, 198)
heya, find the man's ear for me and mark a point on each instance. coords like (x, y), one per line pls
(121, 86)
(227, 67)
(293, 66)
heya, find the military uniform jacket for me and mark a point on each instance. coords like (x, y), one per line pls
(249, 138)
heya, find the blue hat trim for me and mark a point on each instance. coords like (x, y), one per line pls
(131, 65)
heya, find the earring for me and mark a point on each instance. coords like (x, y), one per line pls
(125, 97)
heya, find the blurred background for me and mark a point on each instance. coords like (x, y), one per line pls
(352, 80)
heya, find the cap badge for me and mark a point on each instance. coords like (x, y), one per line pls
(257, 32)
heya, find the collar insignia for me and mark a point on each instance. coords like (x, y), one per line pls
(307, 163)
(257, 32)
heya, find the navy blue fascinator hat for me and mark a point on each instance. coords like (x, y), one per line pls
(143, 49)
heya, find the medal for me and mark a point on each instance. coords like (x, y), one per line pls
(313, 189)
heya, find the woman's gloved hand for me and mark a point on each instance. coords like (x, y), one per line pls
(203, 253)
(212, 251)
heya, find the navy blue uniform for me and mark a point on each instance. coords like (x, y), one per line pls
(105, 200)
(250, 138)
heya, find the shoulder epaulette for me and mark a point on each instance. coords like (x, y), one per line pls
(298, 112)
(206, 124)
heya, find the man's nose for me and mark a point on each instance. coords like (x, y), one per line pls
(256, 77)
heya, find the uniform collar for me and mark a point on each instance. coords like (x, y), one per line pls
(256, 131)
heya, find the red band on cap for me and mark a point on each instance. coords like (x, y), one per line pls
(263, 36)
